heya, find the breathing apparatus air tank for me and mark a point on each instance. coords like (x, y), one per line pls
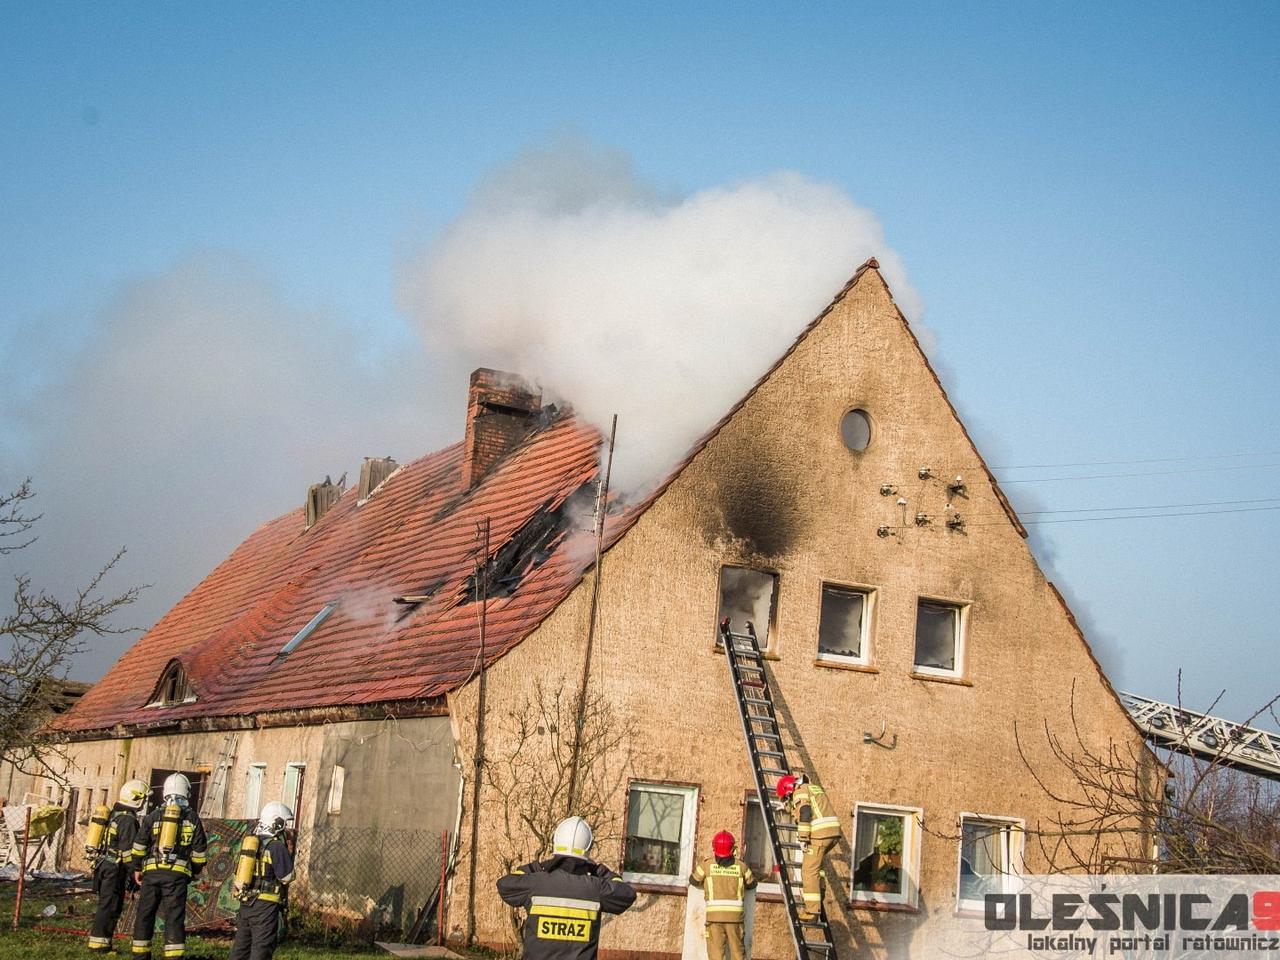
(170, 821)
(97, 828)
(248, 861)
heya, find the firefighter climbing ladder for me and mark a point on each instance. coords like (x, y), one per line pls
(769, 762)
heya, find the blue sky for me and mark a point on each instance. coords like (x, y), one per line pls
(1084, 197)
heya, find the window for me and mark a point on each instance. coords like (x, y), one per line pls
(940, 637)
(336, 784)
(756, 850)
(844, 625)
(886, 850)
(292, 785)
(855, 430)
(309, 629)
(256, 773)
(989, 852)
(748, 595)
(174, 687)
(659, 842)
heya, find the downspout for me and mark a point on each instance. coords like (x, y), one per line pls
(482, 586)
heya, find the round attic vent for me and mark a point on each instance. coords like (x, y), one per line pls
(855, 430)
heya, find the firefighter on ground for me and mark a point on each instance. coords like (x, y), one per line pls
(168, 854)
(262, 884)
(725, 880)
(565, 896)
(109, 846)
(817, 829)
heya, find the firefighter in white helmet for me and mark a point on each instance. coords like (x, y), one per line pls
(168, 855)
(110, 847)
(565, 896)
(263, 899)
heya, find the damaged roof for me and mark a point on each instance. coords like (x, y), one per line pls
(418, 537)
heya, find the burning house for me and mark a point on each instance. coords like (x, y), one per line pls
(411, 655)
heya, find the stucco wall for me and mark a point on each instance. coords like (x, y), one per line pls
(777, 489)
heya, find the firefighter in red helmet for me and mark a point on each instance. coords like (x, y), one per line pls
(725, 879)
(817, 829)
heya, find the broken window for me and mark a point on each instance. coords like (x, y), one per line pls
(939, 637)
(174, 687)
(756, 851)
(748, 595)
(659, 842)
(884, 853)
(987, 854)
(844, 624)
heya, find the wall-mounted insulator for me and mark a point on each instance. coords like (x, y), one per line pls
(902, 501)
(955, 523)
(887, 489)
(883, 531)
(957, 487)
(925, 473)
(923, 519)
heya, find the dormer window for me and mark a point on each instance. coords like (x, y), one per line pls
(174, 688)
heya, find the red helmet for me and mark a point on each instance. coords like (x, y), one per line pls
(786, 786)
(723, 844)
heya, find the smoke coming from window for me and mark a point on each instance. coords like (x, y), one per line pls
(571, 269)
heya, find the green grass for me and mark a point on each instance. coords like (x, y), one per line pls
(56, 939)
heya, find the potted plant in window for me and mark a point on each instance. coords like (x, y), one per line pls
(888, 872)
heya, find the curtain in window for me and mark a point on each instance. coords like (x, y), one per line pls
(981, 859)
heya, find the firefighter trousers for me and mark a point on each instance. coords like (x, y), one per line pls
(811, 872)
(256, 930)
(725, 942)
(163, 892)
(110, 884)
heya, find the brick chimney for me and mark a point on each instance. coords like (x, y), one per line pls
(501, 411)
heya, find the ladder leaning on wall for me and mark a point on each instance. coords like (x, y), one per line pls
(760, 728)
(212, 802)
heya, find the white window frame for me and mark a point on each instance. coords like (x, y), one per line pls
(962, 633)
(291, 799)
(913, 818)
(337, 782)
(764, 885)
(261, 768)
(688, 823)
(1013, 834)
(868, 614)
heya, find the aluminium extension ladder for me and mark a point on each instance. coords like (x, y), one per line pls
(812, 938)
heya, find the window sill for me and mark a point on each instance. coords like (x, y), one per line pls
(766, 654)
(884, 906)
(648, 886)
(768, 896)
(837, 665)
(937, 678)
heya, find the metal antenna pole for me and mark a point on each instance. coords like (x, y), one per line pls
(482, 588)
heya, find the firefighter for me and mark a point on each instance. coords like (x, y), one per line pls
(725, 879)
(817, 828)
(565, 896)
(110, 847)
(263, 900)
(168, 855)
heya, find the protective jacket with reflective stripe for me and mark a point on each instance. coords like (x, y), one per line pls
(725, 880)
(189, 854)
(814, 815)
(122, 830)
(272, 872)
(565, 897)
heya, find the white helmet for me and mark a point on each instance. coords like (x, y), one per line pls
(133, 794)
(572, 838)
(176, 785)
(275, 817)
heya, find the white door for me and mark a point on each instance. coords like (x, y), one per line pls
(253, 790)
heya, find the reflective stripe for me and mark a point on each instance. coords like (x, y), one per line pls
(269, 897)
(724, 905)
(824, 822)
(100, 942)
(142, 944)
(575, 851)
(176, 867)
(199, 858)
(565, 902)
(569, 913)
(175, 950)
(813, 898)
(517, 872)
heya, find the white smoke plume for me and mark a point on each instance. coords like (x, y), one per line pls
(569, 268)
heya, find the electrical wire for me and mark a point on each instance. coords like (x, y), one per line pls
(1143, 506)
(1154, 473)
(1111, 463)
(1135, 516)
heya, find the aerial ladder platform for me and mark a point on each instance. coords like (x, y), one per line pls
(1176, 728)
(768, 757)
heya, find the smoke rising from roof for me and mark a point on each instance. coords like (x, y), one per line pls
(569, 268)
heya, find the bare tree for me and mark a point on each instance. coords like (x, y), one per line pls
(530, 778)
(1126, 808)
(41, 635)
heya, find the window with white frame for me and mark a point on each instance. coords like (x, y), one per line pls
(292, 780)
(990, 851)
(659, 841)
(757, 851)
(336, 784)
(886, 853)
(844, 624)
(940, 637)
(253, 778)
